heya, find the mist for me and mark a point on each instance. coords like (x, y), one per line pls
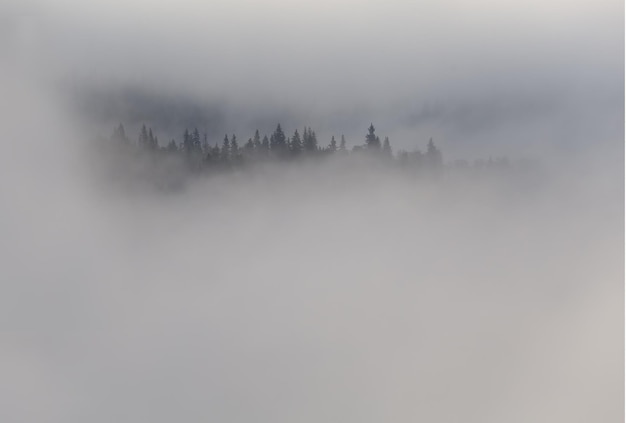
(314, 291)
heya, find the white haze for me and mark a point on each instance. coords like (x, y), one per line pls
(312, 294)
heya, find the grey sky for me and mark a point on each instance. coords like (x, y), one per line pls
(481, 66)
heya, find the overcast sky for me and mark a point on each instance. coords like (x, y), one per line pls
(482, 77)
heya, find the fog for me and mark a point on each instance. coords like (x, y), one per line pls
(314, 292)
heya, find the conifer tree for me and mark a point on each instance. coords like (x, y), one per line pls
(296, 144)
(257, 140)
(249, 147)
(265, 146)
(187, 143)
(195, 141)
(278, 141)
(205, 144)
(143, 137)
(234, 148)
(215, 152)
(387, 148)
(371, 140)
(119, 135)
(332, 147)
(225, 152)
(342, 144)
(433, 155)
(309, 142)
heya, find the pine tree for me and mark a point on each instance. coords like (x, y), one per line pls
(143, 137)
(234, 148)
(195, 141)
(225, 153)
(433, 156)
(309, 142)
(296, 144)
(342, 144)
(371, 140)
(387, 148)
(119, 135)
(153, 142)
(257, 140)
(249, 146)
(215, 152)
(278, 141)
(172, 147)
(332, 147)
(187, 143)
(265, 146)
(205, 144)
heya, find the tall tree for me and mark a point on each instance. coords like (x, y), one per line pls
(296, 144)
(195, 141)
(153, 143)
(309, 140)
(278, 141)
(205, 144)
(215, 152)
(433, 157)
(332, 147)
(234, 148)
(265, 147)
(342, 144)
(257, 140)
(119, 135)
(387, 148)
(225, 153)
(172, 147)
(187, 142)
(371, 140)
(143, 137)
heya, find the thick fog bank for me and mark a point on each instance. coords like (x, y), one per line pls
(303, 293)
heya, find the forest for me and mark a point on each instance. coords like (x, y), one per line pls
(201, 156)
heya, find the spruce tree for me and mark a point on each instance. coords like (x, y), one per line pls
(342, 144)
(296, 144)
(265, 146)
(187, 144)
(119, 135)
(278, 141)
(225, 152)
(433, 156)
(309, 140)
(234, 148)
(332, 147)
(257, 140)
(371, 140)
(205, 144)
(143, 137)
(387, 148)
(195, 141)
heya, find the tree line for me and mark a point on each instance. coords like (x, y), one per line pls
(199, 154)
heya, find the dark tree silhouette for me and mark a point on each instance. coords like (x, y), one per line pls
(278, 142)
(342, 144)
(143, 137)
(387, 148)
(296, 144)
(309, 142)
(225, 152)
(332, 147)
(371, 140)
